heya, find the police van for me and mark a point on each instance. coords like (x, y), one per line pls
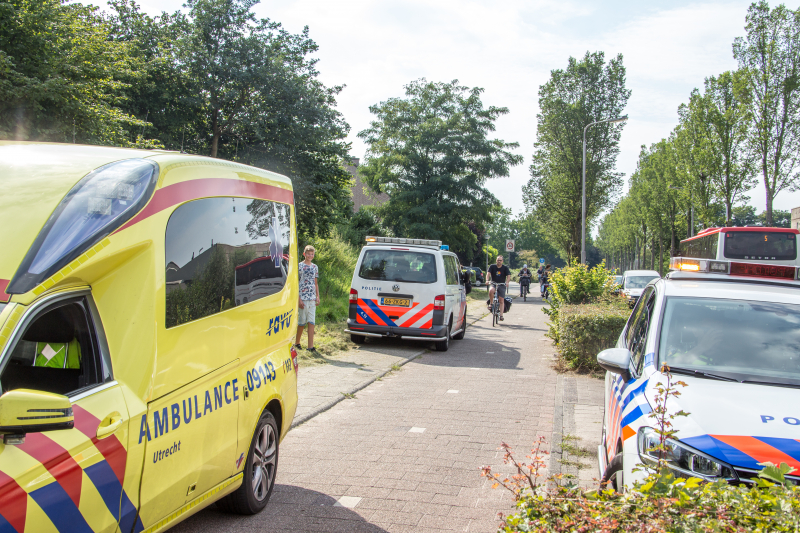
(408, 288)
(729, 329)
(147, 311)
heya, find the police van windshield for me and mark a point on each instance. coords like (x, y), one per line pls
(396, 265)
(638, 282)
(743, 340)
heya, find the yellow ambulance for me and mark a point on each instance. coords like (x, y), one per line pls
(147, 310)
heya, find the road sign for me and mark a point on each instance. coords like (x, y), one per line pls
(509, 245)
(541, 260)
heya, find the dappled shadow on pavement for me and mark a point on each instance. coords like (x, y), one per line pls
(290, 509)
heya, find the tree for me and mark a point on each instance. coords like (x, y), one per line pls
(769, 58)
(588, 90)
(60, 75)
(431, 152)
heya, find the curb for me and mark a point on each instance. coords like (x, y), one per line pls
(324, 407)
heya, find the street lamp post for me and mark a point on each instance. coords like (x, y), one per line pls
(583, 193)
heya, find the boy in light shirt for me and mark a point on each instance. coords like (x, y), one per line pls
(309, 298)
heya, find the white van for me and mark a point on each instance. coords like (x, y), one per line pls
(634, 282)
(408, 288)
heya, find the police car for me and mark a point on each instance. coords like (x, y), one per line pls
(408, 288)
(729, 327)
(145, 370)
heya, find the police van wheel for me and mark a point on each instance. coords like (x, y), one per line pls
(358, 339)
(442, 346)
(613, 474)
(259, 471)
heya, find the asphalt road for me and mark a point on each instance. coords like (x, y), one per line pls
(406, 453)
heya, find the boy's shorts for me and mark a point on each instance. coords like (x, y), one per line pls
(308, 313)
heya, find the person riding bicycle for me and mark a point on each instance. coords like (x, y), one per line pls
(499, 274)
(544, 279)
(524, 278)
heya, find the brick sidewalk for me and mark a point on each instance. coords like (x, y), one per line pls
(405, 453)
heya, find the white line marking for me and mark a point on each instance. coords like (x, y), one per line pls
(347, 501)
(416, 430)
(452, 391)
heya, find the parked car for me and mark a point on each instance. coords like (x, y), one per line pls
(634, 282)
(143, 377)
(408, 288)
(480, 277)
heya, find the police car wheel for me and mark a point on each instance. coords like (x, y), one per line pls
(613, 474)
(358, 339)
(259, 471)
(442, 346)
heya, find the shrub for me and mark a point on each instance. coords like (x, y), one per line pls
(576, 284)
(587, 329)
(661, 503)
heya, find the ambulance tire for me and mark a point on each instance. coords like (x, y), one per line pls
(358, 339)
(460, 335)
(252, 496)
(443, 346)
(613, 474)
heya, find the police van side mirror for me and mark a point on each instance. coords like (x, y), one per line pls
(29, 411)
(616, 360)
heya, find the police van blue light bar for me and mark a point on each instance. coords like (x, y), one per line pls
(398, 240)
(444, 247)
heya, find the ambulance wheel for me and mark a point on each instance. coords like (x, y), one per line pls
(613, 474)
(259, 471)
(460, 335)
(358, 339)
(442, 346)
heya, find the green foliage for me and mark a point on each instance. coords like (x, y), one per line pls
(587, 91)
(336, 260)
(355, 230)
(587, 329)
(663, 503)
(527, 232)
(432, 153)
(61, 77)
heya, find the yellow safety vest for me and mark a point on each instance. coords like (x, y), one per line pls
(58, 354)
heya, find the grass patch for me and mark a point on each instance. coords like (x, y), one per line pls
(349, 395)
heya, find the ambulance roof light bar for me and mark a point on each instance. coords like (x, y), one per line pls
(398, 240)
(734, 268)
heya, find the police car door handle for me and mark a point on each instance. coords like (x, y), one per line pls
(109, 425)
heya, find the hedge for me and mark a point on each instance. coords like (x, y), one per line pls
(663, 503)
(584, 330)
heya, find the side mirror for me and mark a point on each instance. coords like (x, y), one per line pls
(616, 360)
(30, 411)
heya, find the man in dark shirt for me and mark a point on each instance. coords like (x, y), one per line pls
(499, 273)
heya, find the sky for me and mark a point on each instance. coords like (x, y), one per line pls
(508, 48)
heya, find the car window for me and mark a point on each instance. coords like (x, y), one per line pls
(638, 282)
(641, 332)
(451, 270)
(746, 340)
(396, 265)
(58, 352)
(222, 253)
(635, 317)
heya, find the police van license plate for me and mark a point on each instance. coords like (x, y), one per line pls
(397, 302)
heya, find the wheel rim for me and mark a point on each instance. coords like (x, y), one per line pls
(265, 455)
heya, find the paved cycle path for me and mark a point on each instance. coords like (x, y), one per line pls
(405, 453)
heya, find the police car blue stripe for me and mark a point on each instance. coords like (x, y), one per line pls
(631, 394)
(788, 446)
(107, 484)
(365, 316)
(381, 314)
(633, 415)
(60, 509)
(720, 450)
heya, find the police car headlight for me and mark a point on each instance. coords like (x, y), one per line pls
(684, 460)
(98, 204)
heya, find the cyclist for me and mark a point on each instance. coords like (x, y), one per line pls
(499, 274)
(544, 280)
(524, 278)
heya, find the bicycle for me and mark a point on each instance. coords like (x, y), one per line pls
(495, 305)
(524, 290)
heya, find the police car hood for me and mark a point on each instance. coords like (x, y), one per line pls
(741, 424)
(34, 178)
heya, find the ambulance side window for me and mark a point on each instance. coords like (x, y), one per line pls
(222, 253)
(58, 352)
(641, 328)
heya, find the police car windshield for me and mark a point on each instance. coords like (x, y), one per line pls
(743, 340)
(397, 265)
(638, 282)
